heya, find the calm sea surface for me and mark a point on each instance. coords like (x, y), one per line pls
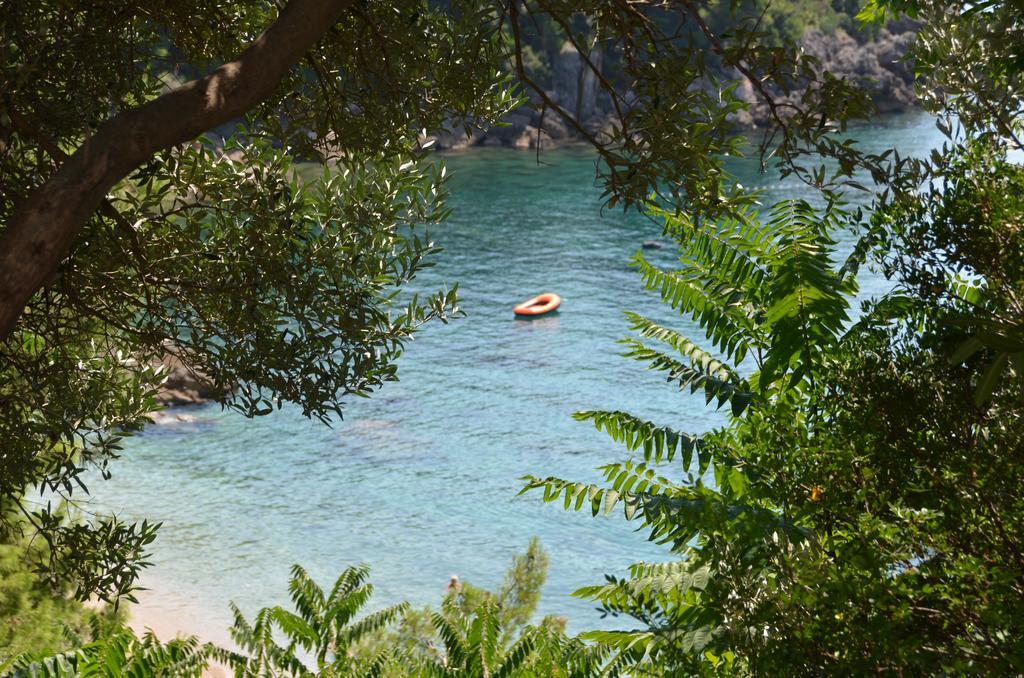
(421, 480)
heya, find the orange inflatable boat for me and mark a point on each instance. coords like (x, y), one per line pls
(539, 305)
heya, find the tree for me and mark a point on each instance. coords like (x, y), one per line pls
(472, 618)
(127, 236)
(322, 636)
(38, 234)
(516, 600)
(323, 625)
(861, 511)
(475, 632)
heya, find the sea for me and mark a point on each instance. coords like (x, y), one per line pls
(422, 481)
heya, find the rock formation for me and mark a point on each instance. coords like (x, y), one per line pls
(877, 65)
(184, 386)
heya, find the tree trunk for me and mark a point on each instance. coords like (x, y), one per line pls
(42, 228)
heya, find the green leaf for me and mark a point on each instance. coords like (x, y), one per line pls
(990, 379)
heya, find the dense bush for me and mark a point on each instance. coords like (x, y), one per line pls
(36, 618)
(862, 510)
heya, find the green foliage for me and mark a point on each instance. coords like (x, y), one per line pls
(323, 625)
(121, 653)
(278, 290)
(659, 443)
(36, 619)
(779, 22)
(676, 86)
(959, 246)
(473, 647)
(860, 512)
(475, 633)
(425, 637)
(284, 291)
(515, 601)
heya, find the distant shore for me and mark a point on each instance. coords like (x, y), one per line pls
(878, 65)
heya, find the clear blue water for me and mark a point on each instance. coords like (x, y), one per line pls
(421, 480)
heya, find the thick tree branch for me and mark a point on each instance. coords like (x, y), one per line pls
(42, 228)
(59, 157)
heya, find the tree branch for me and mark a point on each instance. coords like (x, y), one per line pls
(44, 225)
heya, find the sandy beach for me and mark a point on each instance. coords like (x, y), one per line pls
(170, 615)
(158, 613)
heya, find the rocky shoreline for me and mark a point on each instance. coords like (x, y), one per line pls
(878, 64)
(184, 386)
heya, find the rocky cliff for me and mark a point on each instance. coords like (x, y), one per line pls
(184, 386)
(574, 87)
(877, 65)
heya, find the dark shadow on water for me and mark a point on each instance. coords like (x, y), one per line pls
(548, 321)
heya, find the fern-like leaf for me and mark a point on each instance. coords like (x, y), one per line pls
(370, 624)
(716, 380)
(516, 656)
(720, 309)
(455, 650)
(659, 443)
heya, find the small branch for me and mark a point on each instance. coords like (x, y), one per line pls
(585, 55)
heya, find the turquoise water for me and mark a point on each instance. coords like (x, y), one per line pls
(421, 480)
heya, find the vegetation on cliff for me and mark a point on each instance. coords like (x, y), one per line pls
(567, 56)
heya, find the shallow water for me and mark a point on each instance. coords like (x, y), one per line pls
(421, 481)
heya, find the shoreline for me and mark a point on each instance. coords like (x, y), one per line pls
(153, 613)
(170, 615)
